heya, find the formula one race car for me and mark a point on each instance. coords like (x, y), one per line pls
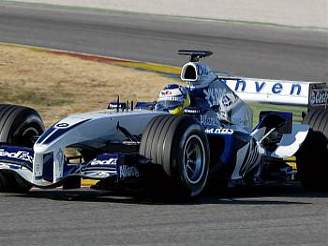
(197, 135)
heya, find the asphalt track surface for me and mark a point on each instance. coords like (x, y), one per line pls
(251, 50)
(268, 216)
(284, 215)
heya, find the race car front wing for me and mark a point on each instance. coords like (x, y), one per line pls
(19, 160)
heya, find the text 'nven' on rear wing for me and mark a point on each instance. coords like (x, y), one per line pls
(312, 94)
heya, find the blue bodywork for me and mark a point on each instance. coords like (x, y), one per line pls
(16, 157)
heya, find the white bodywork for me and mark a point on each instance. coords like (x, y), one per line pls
(97, 127)
(21, 171)
(290, 143)
(270, 91)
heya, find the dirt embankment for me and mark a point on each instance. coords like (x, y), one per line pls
(57, 85)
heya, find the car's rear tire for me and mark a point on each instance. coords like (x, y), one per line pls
(312, 157)
(179, 144)
(19, 126)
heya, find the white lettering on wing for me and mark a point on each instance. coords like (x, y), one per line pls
(268, 87)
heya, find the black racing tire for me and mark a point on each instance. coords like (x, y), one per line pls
(19, 126)
(3, 182)
(179, 144)
(12, 182)
(312, 157)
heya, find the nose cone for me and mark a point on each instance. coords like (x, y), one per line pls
(41, 148)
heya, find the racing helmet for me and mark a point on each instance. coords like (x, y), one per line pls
(173, 98)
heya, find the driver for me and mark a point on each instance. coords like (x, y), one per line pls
(173, 98)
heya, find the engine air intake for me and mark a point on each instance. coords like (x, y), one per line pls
(189, 73)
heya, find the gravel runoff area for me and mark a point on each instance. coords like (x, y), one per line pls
(301, 13)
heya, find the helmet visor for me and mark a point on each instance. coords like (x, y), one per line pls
(166, 105)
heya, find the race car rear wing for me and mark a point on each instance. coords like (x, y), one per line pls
(278, 91)
(250, 89)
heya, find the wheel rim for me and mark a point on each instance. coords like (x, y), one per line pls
(27, 138)
(194, 159)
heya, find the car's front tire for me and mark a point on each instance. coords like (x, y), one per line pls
(179, 144)
(19, 126)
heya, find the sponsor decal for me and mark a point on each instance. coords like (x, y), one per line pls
(103, 174)
(59, 168)
(21, 155)
(62, 125)
(60, 156)
(166, 93)
(37, 167)
(209, 121)
(105, 161)
(192, 111)
(271, 87)
(319, 97)
(282, 91)
(128, 171)
(219, 131)
(98, 174)
(111, 161)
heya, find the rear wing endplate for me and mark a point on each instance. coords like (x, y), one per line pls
(318, 96)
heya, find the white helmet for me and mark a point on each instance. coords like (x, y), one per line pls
(173, 98)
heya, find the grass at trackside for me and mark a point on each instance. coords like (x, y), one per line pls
(31, 96)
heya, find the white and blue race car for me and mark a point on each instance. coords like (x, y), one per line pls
(211, 143)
